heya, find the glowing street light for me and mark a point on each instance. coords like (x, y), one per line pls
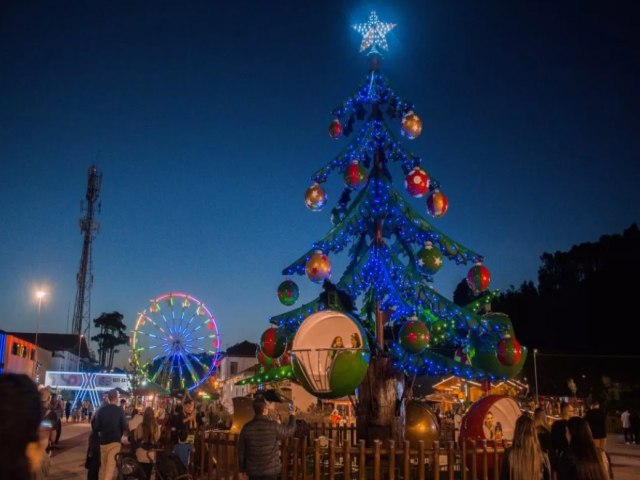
(40, 294)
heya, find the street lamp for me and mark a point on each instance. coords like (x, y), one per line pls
(535, 373)
(40, 294)
(79, 345)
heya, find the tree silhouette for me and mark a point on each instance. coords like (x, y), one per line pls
(112, 333)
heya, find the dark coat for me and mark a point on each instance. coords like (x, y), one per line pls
(597, 422)
(259, 446)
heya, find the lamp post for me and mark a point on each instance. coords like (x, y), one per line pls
(535, 373)
(79, 345)
(40, 294)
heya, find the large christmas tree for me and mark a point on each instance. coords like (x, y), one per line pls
(407, 328)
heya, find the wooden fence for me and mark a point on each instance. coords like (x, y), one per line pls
(334, 453)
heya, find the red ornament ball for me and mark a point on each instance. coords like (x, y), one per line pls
(273, 342)
(335, 129)
(478, 278)
(318, 267)
(417, 182)
(355, 175)
(266, 361)
(288, 292)
(285, 359)
(315, 198)
(437, 204)
(509, 351)
(414, 336)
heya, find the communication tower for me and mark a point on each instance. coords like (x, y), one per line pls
(89, 227)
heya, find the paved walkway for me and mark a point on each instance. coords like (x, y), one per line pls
(68, 462)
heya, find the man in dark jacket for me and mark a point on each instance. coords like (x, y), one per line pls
(597, 421)
(110, 424)
(259, 445)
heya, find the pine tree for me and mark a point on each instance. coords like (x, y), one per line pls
(394, 253)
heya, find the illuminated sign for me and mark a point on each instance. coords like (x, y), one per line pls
(87, 383)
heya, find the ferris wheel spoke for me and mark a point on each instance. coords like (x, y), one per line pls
(203, 365)
(192, 371)
(152, 322)
(158, 370)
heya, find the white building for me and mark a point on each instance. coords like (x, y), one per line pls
(238, 362)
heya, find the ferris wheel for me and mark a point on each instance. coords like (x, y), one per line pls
(175, 342)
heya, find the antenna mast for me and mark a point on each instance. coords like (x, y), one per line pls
(89, 227)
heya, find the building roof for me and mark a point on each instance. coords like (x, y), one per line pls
(242, 349)
(57, 342)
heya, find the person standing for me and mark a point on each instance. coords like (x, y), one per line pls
(67, 410)
(559, 442)
(583, 460)
(57, 405)
(525, 459)
(21, 454)
(542, 429)
(259, 443)
(110, 424)
(597, 421)
(625, 418)
(634, 419)
(146, 436)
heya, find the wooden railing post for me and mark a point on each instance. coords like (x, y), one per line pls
(346, 459)
(463, 460)
(362, 468)
(392, 460)
(332, 459)
(303, 455)
(421, 464)
(485, 461)
(294, 458)
(436, 460)
(451, 460)
(496, 466)
(474, 460)
(376, 460)
(316, 460)
(406, 460)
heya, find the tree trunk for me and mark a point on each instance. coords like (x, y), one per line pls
(380, 410)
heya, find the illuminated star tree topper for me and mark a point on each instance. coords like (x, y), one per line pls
(374, 34)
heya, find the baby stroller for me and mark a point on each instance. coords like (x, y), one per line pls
(128, 467)
(168, 466)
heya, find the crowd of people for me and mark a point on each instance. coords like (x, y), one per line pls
(573, 448)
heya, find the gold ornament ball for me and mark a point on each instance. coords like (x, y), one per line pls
(411, 125)
(315, 198)
(318, 267)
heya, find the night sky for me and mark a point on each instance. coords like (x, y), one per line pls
(207, 120)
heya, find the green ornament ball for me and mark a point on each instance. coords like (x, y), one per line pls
(414, 336)
(429, 259)
(288, 292)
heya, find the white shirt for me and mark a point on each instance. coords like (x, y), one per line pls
(626, 419)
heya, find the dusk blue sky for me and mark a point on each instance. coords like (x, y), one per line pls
(207, 120)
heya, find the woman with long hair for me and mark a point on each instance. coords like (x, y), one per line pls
(146, 437)
(543, 430)
(582, 460)
(20, 412)
(525, 460)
